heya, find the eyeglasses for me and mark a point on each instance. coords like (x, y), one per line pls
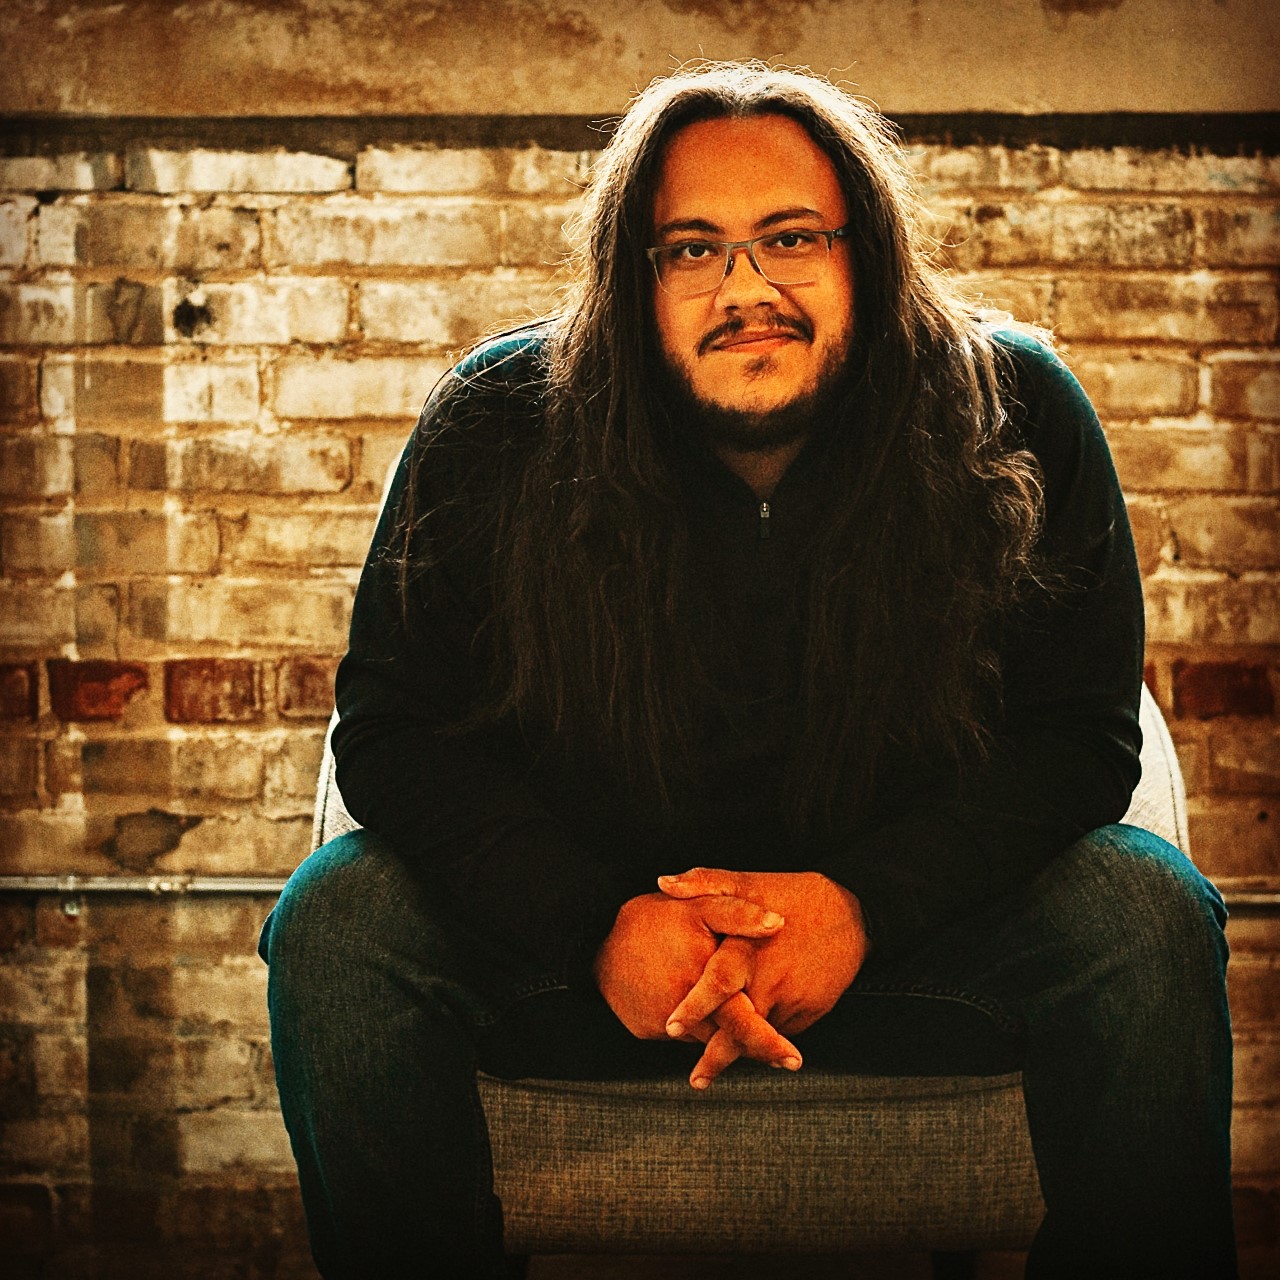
(797, 255)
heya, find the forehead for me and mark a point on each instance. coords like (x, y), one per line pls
(732, 173)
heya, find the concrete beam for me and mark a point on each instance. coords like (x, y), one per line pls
(585, 57)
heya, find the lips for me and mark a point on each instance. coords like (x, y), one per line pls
(739, 332)
(754, 336)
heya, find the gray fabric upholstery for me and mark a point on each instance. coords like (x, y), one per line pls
(768, 1162)
(763, 1162)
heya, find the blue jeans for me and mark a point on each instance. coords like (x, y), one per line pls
(1103, 980)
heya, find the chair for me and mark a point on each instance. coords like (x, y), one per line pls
(768, 1162)
(765, 1162)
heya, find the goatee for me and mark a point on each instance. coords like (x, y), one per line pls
(752, 431)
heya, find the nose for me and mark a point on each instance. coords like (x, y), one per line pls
(743, 285)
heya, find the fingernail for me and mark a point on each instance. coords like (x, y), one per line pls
(700, 1082)
(675, 1029)
(791, 1064)
(668, 879)
(772, 920)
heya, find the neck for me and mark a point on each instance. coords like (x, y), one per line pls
(760, 468)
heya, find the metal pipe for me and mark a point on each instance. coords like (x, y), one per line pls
(1246, 899)
(156, 885)
(183, 884)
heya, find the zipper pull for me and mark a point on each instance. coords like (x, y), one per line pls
(764, 520)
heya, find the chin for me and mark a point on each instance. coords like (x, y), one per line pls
(759, 411)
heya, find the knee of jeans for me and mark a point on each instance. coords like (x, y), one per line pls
(327, 898)
(1149, 900)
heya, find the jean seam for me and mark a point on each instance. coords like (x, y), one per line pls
(541, 987)
(1003, 1021)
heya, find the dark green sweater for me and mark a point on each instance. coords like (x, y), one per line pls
(540, 848)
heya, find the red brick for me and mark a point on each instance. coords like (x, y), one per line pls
(211, 691)
(94, 690)
(304, 687)
(19, 690)
(1207, 689)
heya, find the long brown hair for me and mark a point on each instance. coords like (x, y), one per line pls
(929, 540)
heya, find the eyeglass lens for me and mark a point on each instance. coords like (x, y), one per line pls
(698, 266)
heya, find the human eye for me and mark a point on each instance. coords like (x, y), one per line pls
(690, 253)
(795, 240)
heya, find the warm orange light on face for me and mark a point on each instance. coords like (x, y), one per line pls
(752, 346)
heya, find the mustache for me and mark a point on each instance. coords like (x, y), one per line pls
(769, 320)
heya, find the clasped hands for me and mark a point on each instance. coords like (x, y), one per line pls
(735, 960)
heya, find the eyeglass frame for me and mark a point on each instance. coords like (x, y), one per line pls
(729, 247)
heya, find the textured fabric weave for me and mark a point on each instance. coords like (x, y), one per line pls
(811, 1163)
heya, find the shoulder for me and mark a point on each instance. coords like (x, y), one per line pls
(1040, 378)
(499, 381)
(1052, 417)
(1047, 405)
(509, 361)
(482, 417)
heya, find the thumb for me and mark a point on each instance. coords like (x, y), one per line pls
(700, 882)
(737, 917)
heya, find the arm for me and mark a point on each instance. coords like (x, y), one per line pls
(1064, 758)
(459, 802)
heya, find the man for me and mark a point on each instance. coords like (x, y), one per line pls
(766, 558)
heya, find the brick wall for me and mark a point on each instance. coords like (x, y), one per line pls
(209, 357)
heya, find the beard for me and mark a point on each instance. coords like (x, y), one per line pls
(759, 430)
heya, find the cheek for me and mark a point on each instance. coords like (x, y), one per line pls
(843, 305)
(680, 324)
(665, 321)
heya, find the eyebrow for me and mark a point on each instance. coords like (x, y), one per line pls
(712, 229)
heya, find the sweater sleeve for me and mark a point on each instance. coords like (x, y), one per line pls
(457, 801)
(1065, 759)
